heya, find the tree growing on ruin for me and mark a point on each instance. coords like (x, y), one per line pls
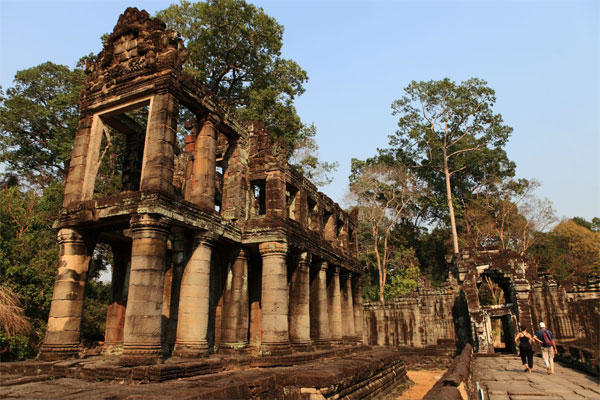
(234, 48)
(450, 135)
(385, 195)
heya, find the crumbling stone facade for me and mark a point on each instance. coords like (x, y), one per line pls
(453, 314)
(423, 319)
(217, 243)
(508, 270)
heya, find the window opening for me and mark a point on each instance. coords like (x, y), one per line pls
(258, 197)
(119, 165)
(338, 227)
(183, 149)
(290, 199)
(312, 214)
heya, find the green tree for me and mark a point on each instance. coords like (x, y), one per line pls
(385, 195)
(570, 252)
(38, 121)
(28, 258)
(234, 48)
(449, 133)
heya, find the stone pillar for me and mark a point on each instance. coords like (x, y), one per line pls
(204, 167)
(115, 314)
(334, 306)
(275, 194)
(64, 323)
(157, 166)
(233, 204)
(234, 327)
(300, 304)
(143, 317)
(358, 308)
(77, 164)
(319, 318)
(348, 332)
(173, 275)
(192, 320)
(274, 299)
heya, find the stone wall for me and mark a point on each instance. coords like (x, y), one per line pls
(571, 312)
(451, 316)
(420, 320)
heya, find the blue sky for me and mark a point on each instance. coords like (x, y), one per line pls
(541, 58)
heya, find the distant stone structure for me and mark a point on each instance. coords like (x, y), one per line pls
(452, 315)
(217, 243)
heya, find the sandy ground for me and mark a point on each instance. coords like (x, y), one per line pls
(424, 380)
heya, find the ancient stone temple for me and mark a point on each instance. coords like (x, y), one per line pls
(218, 245)
(456, 313)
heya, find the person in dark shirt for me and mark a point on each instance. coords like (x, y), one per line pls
(546, 337)
(525, 341)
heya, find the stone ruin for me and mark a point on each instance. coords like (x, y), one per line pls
(220, 248)
(218, 245)
(438, 321)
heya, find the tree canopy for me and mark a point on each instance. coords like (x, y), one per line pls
(234, 48)
(385, 195)
(450, 135)
(38, 121)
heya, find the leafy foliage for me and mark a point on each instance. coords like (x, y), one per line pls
(385, 195)
(38, 121)
(506, 215)
(570, 252)
(234, 48)
(28, 257)
(305, 159)
(449, 134)
(490, 293)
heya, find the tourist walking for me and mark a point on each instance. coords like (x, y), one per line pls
(546, 338)
(525, 340)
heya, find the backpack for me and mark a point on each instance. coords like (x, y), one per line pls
(547, 340)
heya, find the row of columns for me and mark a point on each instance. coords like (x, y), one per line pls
(320, 311)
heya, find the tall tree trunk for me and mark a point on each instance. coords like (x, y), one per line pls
(450, 206)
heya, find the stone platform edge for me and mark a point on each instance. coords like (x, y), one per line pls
(342, 373)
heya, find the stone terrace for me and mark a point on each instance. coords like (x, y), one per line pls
(357, 372)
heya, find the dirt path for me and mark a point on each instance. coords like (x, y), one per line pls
(424, 380)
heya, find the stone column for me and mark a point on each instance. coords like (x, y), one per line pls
(192, 319)
(234, 327)
(64, 323)
(299, 304)
(233, 204)
(115, 314)
(319, 318)
(204, 167)
(173, 275)
(77, 164)
(274, 299)
(275, 194)
(334, 306)
(348, 332)
(143, 317)
(358, 308)
(157, 165)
